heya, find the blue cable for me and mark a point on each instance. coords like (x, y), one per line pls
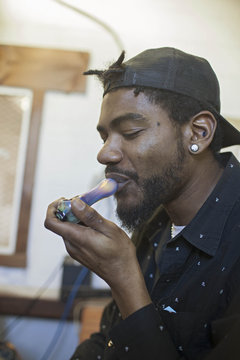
(67, 308)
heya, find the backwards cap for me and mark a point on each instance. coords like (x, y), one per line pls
(174, 70)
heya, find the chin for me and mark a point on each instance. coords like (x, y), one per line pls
(127, 200)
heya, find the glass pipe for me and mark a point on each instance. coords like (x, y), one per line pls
(105, 188)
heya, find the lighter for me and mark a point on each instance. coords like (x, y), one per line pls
(105, 188)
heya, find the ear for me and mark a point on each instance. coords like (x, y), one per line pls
(202, 129)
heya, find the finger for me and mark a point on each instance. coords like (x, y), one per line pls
(51, 210)
(76, 234)
(53, 223)
(91, 218)
(73, 250)
(55, 203)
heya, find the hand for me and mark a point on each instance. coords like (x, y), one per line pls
(100, 245)
(105, 249)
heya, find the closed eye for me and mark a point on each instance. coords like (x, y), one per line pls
(132, 134)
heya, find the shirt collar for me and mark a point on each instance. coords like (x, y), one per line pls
(205, 230)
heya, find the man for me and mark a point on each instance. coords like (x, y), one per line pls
(162, 131)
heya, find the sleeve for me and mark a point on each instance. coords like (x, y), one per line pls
(225, 333)
(226, 338)
(143, 335)
(90, 349)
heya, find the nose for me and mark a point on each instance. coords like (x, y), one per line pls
(110, 153)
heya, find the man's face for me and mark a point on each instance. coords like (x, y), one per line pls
(143, 152)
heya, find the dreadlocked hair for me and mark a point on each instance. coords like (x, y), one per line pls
(116, 68)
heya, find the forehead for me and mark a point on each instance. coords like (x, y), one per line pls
(123, 101)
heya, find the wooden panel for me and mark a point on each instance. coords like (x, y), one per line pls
(53, 309)
(31, 308)
(90, 321)
(42, 69)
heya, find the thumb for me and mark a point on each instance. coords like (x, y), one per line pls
(89, 216)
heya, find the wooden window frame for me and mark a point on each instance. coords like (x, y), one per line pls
(39, 70)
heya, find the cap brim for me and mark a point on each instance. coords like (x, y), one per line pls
(231, 135)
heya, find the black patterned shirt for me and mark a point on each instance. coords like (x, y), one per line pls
(191, 278)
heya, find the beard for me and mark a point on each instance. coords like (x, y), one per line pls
(157, 189)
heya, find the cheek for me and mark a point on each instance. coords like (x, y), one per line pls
(148, 157)
(153, 151)
(153, 156)
(153, 147)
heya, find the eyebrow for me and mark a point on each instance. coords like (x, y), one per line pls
(120, 119)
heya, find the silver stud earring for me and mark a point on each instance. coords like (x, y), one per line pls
(194, 147)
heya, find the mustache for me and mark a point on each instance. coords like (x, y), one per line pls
(115, 169)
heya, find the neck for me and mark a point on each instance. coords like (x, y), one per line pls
(194, 193)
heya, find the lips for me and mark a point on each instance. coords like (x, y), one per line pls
(121, 179)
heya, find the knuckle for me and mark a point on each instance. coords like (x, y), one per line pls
(70, 250)
(46, 224)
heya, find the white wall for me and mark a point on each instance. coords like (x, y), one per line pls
(68, 145)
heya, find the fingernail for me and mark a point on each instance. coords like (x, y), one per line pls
(79, 203)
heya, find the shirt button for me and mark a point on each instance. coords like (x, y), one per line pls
(110, 343)
(126, 348)
(155, 244)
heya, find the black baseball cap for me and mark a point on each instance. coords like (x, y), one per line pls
(174, 70)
